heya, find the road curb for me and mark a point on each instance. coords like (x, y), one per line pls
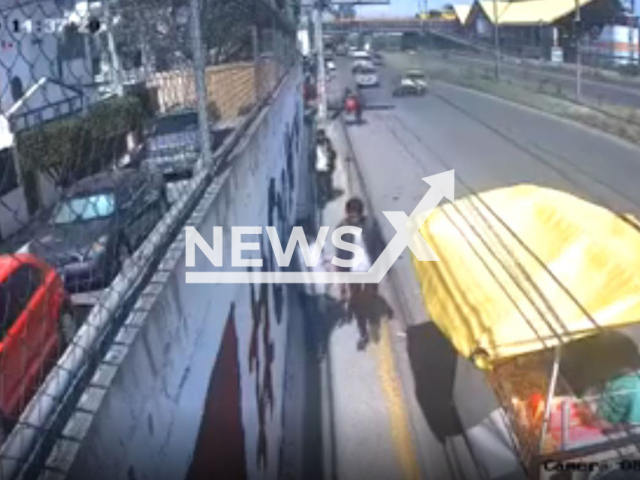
(414, 466)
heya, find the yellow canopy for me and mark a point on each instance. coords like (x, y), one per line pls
(529, 12)
(489, 294)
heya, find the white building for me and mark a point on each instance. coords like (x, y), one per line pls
(35, 44)
(617, 43)
(46, 70)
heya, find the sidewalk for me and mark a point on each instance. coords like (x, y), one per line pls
(366, 429)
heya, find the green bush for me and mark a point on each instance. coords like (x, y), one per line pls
(71, 148)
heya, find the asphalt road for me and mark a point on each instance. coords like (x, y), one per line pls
(490, 143)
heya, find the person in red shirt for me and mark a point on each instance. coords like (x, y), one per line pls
(353, 105)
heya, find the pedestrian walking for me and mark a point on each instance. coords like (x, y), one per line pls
(358, 296)
(325, 165)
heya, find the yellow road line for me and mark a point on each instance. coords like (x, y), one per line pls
(392, 390)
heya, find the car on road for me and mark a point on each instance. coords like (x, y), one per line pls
(99, 222)
(360, 55)
(367, 77)
(377, 59)
(331, 66)
(341, 50)
(407, 87)
(360, 64)
(37, 324)
(417, 76)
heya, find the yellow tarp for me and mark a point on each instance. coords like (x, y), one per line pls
(489, 293)
(462, 13)
(529, 11)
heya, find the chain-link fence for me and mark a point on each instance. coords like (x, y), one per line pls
(114, 118)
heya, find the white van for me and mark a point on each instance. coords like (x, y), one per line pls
(360, 55)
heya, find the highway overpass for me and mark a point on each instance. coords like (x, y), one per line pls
(390, 25)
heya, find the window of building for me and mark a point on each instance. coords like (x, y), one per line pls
(15, 294)
(8, 176)
(72, 44)
(17, 89)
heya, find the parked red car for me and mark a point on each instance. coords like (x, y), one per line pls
(36, 323)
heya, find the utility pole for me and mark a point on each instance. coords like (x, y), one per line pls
(202, 96)
(633, 28)
(322, 80)
(576, 31)
(496, 37)
(116, 71)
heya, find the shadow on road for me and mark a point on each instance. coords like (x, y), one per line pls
(589, 363)
(329, 196)
(433, 364)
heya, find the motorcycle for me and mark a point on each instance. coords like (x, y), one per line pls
(352, 110)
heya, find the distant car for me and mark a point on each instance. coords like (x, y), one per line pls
(377, 59)
(360, 55)
(331, 66)
(98, 223)
(341, 50)
(360, 64)
(417, 76)
(367, 77)
(37, 324)
(407, 87)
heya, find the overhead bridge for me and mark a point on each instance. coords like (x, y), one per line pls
(395, 25)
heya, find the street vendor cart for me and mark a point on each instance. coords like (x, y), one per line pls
(541, 290)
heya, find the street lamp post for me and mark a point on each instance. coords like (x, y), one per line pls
(576, 35)
(496, 38)
(322, 80)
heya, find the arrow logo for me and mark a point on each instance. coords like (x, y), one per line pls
(407, 235)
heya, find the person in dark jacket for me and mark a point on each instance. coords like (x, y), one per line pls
(360, 296)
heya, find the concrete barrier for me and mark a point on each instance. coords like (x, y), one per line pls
(193, 384)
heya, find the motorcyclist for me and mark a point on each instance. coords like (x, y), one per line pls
(353, 105)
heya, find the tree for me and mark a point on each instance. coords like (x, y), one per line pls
(162, 29)
(227, 28)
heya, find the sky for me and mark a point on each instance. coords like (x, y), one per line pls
(411, 7)
(403, 7)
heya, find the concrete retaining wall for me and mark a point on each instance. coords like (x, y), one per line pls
(193, 386)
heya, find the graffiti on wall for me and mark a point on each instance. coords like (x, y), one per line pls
(261, 357)
(268, 300)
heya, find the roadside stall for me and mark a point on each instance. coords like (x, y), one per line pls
(541, 290)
